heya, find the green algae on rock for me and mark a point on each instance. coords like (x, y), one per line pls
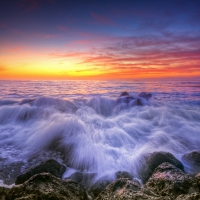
(45, 186)
(169, 180)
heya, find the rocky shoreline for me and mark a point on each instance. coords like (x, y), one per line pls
(162, 175)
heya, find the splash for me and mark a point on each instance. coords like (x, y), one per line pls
(101, 135)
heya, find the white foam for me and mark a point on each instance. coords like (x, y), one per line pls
(92, 141)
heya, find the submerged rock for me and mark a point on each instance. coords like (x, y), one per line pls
(45, 186)
(123, 174)
(125, 100)
(84, 179)
(167, 179)
(192, 161)
(139, 102)
(124, 94)
(9, 172)
(145, 95)
(51, 166)
(151, 161)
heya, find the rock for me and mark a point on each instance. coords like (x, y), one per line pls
(196, 182)
(123, 174)
(4, 192)
(120, 188)
(124, 99)
(84, 179)
(145, 95)
(193, 196)
(124, 94)
(192, 162)
(167, 179)
(45, 186)
(98, 187)
(153, 160)
(139, 102)
(51, 166)
(125, 189)
(192, 157)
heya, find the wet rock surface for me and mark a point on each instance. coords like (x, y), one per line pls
(46, 186)
(167, 179)
(153, 160)
(196, 182)
(193, 196)
(124, 94)
(125, 100)
(3, 192)
(82, 178)
(127, 189)
(123, 174)
(145, 95)
(192, 161)
(98, 187)
(51, 166)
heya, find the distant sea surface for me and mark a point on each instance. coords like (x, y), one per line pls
(82, 125)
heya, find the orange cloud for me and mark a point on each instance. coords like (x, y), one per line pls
(104, 58)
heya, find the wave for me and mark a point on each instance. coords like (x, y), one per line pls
(100, 135)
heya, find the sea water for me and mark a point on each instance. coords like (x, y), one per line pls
(79, 123)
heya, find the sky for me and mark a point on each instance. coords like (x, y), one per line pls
(99, 39)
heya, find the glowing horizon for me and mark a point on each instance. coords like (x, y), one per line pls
(127, 41)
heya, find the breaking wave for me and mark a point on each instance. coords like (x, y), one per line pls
(101, 134)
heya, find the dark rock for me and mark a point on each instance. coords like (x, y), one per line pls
(145, 95)
(98, 187)
(192, 162)
(124, 94)
(139, 102)
(44, 186)
(123, 174)
(120, 188)
(124, 99)
(153, 160)
(84, 179)
(51, 166)
(196, 182)
(4, 192)
(167, 179)
(193, 196)
(125, 189)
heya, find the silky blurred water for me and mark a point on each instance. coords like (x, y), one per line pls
(82, 125)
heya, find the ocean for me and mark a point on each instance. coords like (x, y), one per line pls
(87, 127)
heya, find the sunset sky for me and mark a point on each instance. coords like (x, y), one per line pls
(99, 39)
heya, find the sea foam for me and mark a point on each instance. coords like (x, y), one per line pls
(93, 137)
(97, 133)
